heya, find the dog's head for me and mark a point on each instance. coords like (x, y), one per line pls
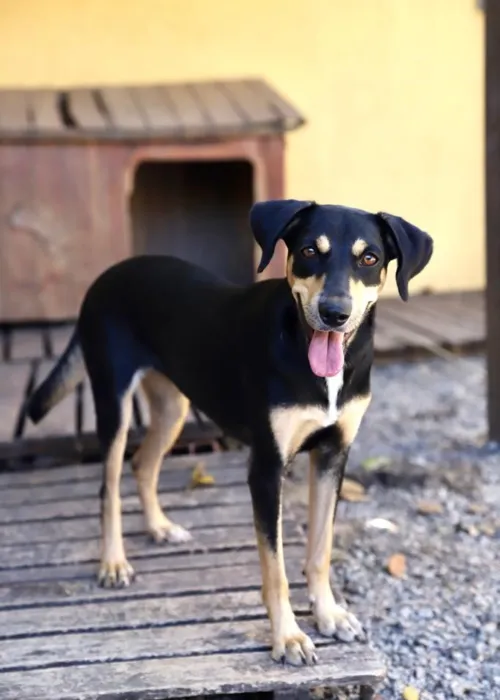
(337, 265)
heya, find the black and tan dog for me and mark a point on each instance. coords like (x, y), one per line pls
(282, 365)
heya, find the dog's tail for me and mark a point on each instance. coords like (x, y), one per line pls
(63, 378)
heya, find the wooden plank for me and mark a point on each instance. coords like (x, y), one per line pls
(465, 302)
(157, 679)
(162, 561)
(136, 614)
(171, 480)
(85, 111)
(122, 109)
(456, 311)
(435, 318)
(231, 637)
(473, 300)
(384, 337)
(45, 110)
(404, 338)
(63, 552)
(190, 114)
(289, 116)
(411, 332)
(159, 585)
(156, 109)
(68, 509)
(493, 216)
(69, 448)
(13, 382)
(93, 472)
(218, 107)
(80, 529)
(13, 111)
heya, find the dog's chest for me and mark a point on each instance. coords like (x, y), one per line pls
(292, 425)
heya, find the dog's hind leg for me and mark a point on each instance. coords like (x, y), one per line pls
(168, 410)
(113, 420)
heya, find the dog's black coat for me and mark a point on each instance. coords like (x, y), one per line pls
(238, 353)
(235, 352)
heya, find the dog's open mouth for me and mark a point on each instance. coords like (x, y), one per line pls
(327, 352)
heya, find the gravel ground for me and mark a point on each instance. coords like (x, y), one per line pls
(438, 624)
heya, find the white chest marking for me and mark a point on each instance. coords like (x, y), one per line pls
(334, 385)
(292, 426)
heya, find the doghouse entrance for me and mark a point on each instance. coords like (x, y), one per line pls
(197, 211)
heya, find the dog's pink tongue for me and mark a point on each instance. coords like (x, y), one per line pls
(326, 353)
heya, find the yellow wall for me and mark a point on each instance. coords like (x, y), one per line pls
(392, 90)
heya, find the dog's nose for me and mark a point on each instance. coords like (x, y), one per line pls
(335, 311)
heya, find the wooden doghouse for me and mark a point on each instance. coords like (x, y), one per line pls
(92, 176)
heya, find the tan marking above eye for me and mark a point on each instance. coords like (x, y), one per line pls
(359, 247)
(323, 244)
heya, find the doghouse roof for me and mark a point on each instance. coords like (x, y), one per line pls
(173, 112)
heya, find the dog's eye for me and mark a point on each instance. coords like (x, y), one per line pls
(308, 251)
(368, 260)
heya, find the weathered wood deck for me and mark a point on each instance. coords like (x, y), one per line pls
(191, 624)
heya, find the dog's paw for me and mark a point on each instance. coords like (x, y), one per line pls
(170, 532)
(335, 621)
(295, 649)
(115, 574)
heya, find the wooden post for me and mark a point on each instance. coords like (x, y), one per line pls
(493, 215)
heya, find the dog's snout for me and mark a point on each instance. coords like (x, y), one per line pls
(335, 311)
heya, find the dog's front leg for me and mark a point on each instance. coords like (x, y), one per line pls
(289, 643)
(327, 465)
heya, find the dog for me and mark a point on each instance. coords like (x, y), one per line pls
(282, 365)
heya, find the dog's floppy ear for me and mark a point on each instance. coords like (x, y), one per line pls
(410, 246)
(269, 221)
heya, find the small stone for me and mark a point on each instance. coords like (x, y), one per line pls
(469, 528)
(477, 508)
(411, 693)
(381, 524)
(487, 529)
(429, 508)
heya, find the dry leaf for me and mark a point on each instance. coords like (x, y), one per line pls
(200, 478)
(396, 565)
(381, 524)
(429, 508)
(411, 693)
(352, 491)
(373, 463)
